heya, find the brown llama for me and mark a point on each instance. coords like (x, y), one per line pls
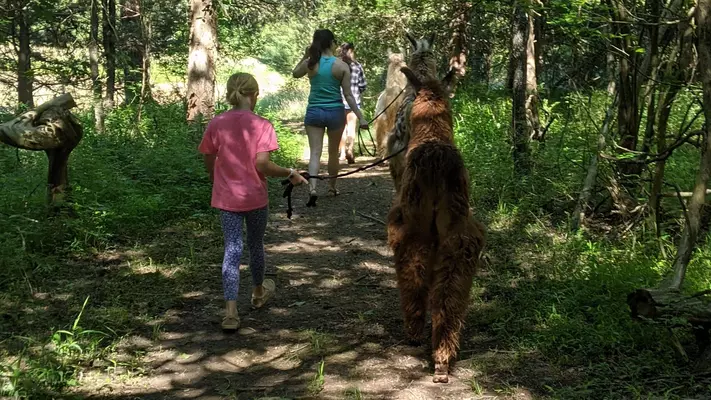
(391, 97)
(436, 241)
(423, 64)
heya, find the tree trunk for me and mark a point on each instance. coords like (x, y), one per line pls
(459, 42)
(691, 230)
(539, 22)
(147, 35)
(664, 111)
(94, 66)
(24, 65)
(201, 62)
(517, 78)
(611, 69)
(591, 176)
(532, 117)
(109, 19)
(628, 108)
(652, 62)
(132, 45)
(678, 74)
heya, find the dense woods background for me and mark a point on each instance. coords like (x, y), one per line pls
(584, 125)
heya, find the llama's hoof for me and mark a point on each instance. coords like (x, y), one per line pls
(441, 374)
(350, 158)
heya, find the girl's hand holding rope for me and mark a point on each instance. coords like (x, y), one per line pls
(297, 179)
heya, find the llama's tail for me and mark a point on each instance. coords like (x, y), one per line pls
(436, 184)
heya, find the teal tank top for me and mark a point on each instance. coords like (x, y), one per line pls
(325, 89)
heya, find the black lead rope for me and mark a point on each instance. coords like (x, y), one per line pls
(360, 138)
(289, 187)
(362, 142)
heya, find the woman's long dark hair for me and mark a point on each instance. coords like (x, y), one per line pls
(323, 38)
(344, 53)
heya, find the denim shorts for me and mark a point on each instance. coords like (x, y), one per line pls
(330, 118)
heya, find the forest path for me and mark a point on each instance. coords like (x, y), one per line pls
(337, 304)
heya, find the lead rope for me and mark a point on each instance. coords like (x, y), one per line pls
(289, 187)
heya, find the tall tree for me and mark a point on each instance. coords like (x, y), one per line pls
(459, 38)
(94, 66)
(201, 60)
(517, 85)
(677, 73)
(109, 38)
(147, 37)
(533, 68)
(628, 106)
(698, 198)
(24, 57)
(132, 42)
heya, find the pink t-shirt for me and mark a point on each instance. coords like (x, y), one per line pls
(236, 136)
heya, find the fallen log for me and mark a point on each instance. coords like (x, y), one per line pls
(52, 128)
(671, 308)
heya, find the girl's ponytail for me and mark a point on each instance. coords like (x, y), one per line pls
(314, 55)
(240, 86)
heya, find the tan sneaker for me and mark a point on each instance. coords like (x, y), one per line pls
(269, 290)
(230, 322)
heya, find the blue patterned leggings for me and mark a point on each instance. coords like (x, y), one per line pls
(232, 229)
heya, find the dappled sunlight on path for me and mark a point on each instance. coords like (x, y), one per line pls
(336, 307)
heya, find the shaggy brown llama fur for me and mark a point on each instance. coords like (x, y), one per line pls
(436, 241)
(422, 63)
(392, 98)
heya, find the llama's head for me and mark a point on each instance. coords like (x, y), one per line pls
(436, 89)
(394, 78)
(422, 59)
(396, 59)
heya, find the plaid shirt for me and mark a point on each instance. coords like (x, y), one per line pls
(358, 83)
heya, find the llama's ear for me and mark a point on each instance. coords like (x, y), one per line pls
(412, 40)
(411, 77)
(431, 39)
(390, 52)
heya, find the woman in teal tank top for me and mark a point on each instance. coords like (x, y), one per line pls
(325, 113)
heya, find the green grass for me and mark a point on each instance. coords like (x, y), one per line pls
(73, 288)
(141, 204)
(558, 299)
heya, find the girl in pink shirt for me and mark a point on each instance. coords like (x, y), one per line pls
(236, 145)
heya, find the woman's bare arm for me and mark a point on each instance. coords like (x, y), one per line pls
(301, 69)
(348, 94)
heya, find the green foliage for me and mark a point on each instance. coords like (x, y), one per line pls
(42, 368)
(559, 299)
(130, 184)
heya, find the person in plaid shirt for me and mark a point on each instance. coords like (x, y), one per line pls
(358, 86)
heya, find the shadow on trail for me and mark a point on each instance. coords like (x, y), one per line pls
(336, 303)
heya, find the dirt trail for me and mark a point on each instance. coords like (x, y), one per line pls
(336, 303)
